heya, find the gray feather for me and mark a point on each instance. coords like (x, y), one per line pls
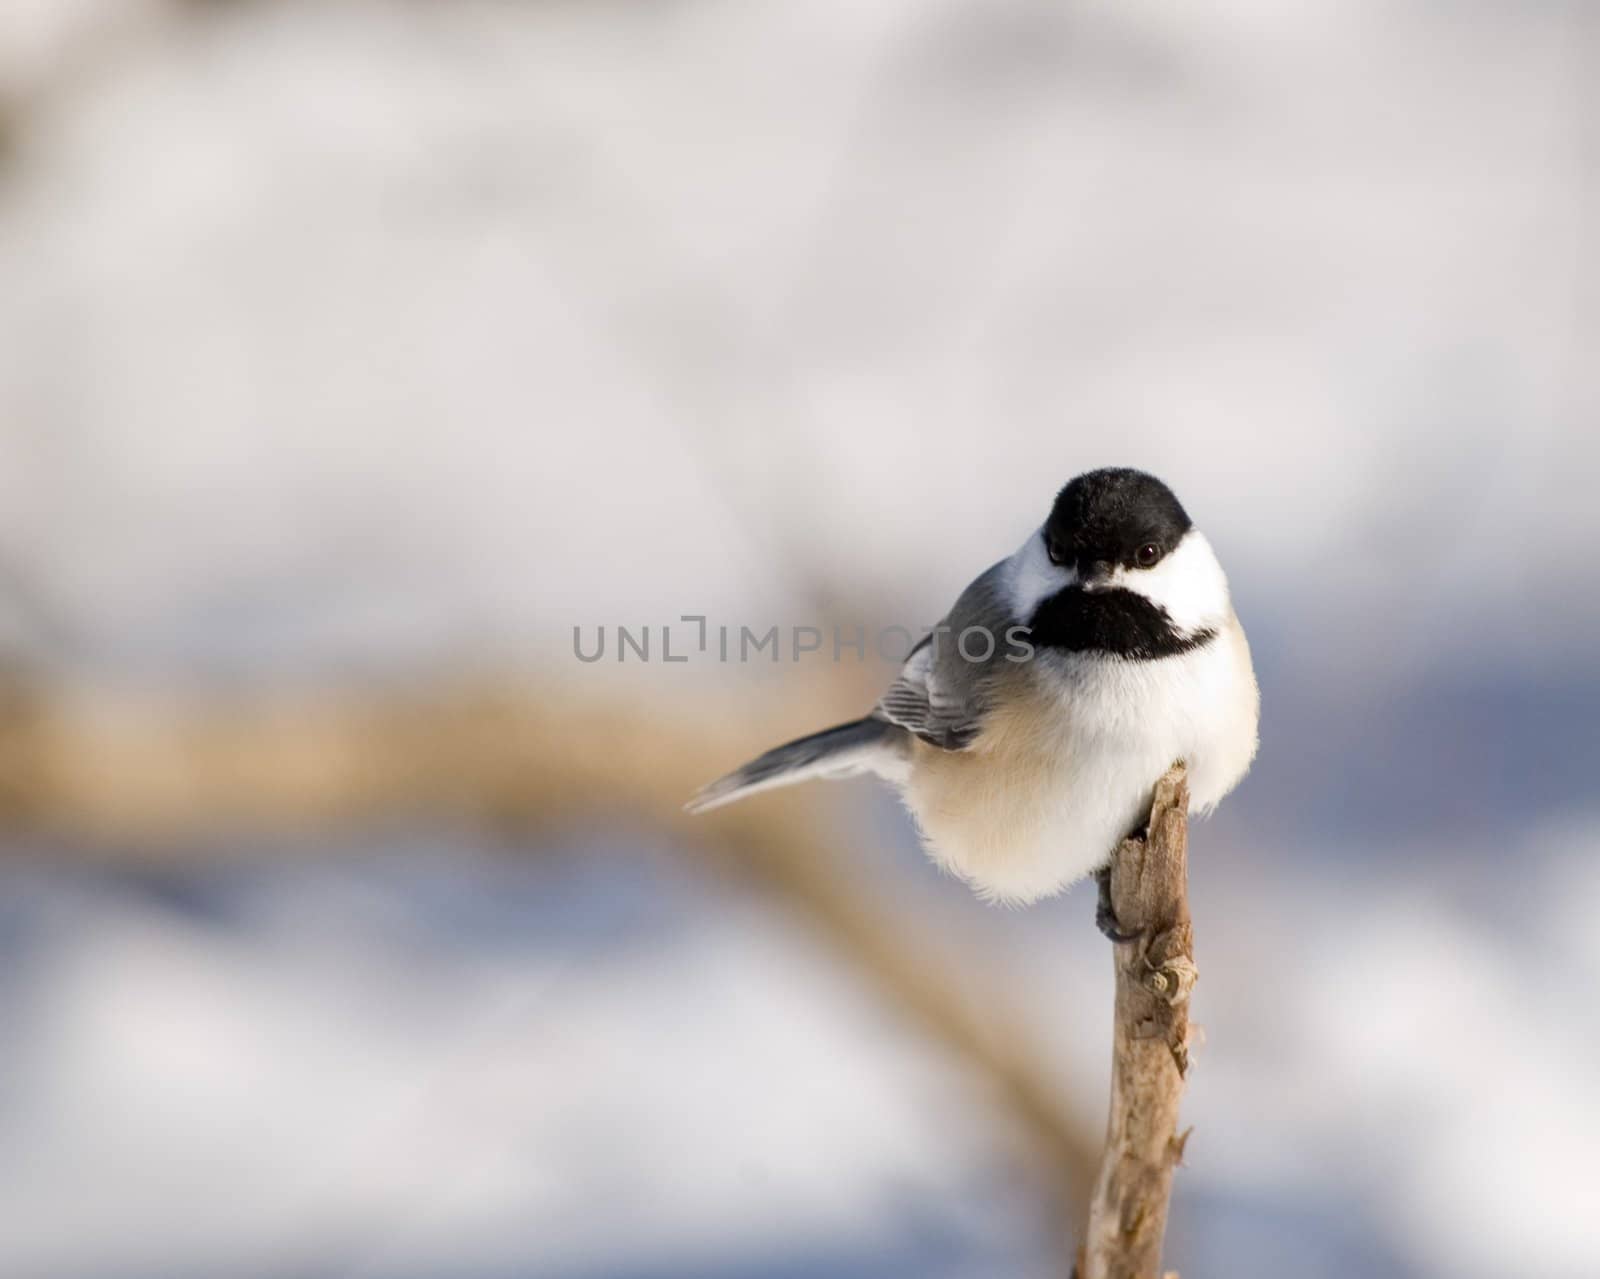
(940, 695)
(848, 748)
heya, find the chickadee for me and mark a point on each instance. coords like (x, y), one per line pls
(1027, 732)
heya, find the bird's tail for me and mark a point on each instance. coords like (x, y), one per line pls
(859, 746)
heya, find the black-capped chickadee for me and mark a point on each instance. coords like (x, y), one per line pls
(1027, 732)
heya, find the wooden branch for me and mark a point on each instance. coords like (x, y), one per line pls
(156, 781)
(1155, 974)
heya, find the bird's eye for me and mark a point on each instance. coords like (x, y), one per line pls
(1055, 551)
(1147, 555)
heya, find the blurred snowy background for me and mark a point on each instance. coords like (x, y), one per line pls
(352, 353)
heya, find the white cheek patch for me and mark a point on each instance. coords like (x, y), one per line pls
(1032, 578)
(1189, 583)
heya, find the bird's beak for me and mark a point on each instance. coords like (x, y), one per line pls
(1095, 575)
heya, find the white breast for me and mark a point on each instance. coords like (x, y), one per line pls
(1067, 759)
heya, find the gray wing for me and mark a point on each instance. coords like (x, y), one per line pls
(940, 695)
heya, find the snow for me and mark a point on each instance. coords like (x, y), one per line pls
(446, 1060)
(418, 1054)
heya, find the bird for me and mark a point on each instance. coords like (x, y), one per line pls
(1027, 730)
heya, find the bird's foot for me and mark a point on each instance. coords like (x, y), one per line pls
(1105, 914)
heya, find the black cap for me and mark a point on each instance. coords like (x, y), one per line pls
(1109, 514)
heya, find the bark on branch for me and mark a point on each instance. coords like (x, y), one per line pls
(1155, 975)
